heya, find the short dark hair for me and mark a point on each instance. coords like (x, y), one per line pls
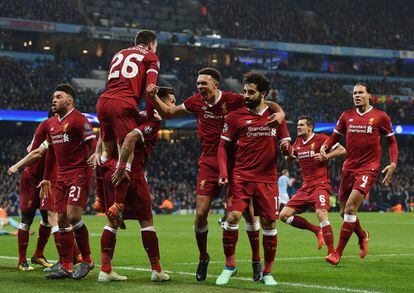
(164, 91)
(259, 79)
(309, 121)
(66, 88)
(214, 73)
(145, 37)
(367, 87)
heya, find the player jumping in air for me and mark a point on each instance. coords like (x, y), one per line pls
(131, 71)
(138, 199)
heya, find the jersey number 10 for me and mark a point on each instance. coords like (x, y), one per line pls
(129, 68)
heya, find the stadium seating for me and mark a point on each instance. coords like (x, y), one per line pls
(390, 24)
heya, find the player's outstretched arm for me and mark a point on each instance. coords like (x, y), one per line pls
(336, 151)
(329, 143)
(393, 155)
(169, 112)
(31, 157)
(222, 161)
(166, 111)
(278, 114)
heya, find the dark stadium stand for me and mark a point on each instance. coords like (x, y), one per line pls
(390, 24)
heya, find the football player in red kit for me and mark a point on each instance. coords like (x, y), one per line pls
(362, 128)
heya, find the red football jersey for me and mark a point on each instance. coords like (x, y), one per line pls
(68, 136)
(256, 144)
(210, 118)
(313, 172)
(148, 132)
(127, 74)
(363, 132)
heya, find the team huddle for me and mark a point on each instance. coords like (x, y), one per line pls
(241, 137)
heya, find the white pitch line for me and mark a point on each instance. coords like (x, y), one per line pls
(297, 258)
(301, 285)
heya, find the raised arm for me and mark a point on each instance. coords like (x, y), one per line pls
(166, 111)
(31, 157)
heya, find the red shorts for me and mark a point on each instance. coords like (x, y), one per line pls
(315, 197)
(28, 192)
(138, 202)
(48, 203)
(207, 180)
(360, 180)
(74, 192)
(264, 196)
(117, 118)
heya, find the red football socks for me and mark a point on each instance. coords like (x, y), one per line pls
(269, 248)
(44, 233)
(108, 241)
(359, 231)
(347, 229)
(254, 239)
(328, 237)
(67, 241)
(23, 241)
(302, 223)
(230, 237)
(201, 237)
(56, 236)
(82, 239)
(150, 243)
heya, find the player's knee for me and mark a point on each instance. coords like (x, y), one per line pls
(146, 223)
(63, 221)
(233, 218)
(268, 224)
(52, 218)
(285, 215)
(201, 215)
(45, 218)
(27, 218)
(350, 210)
(322, 215)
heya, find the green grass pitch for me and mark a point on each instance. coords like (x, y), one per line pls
(299, 266)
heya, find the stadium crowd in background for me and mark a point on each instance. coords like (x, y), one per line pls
(32, 92)
(182, 155)
(298, 21)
